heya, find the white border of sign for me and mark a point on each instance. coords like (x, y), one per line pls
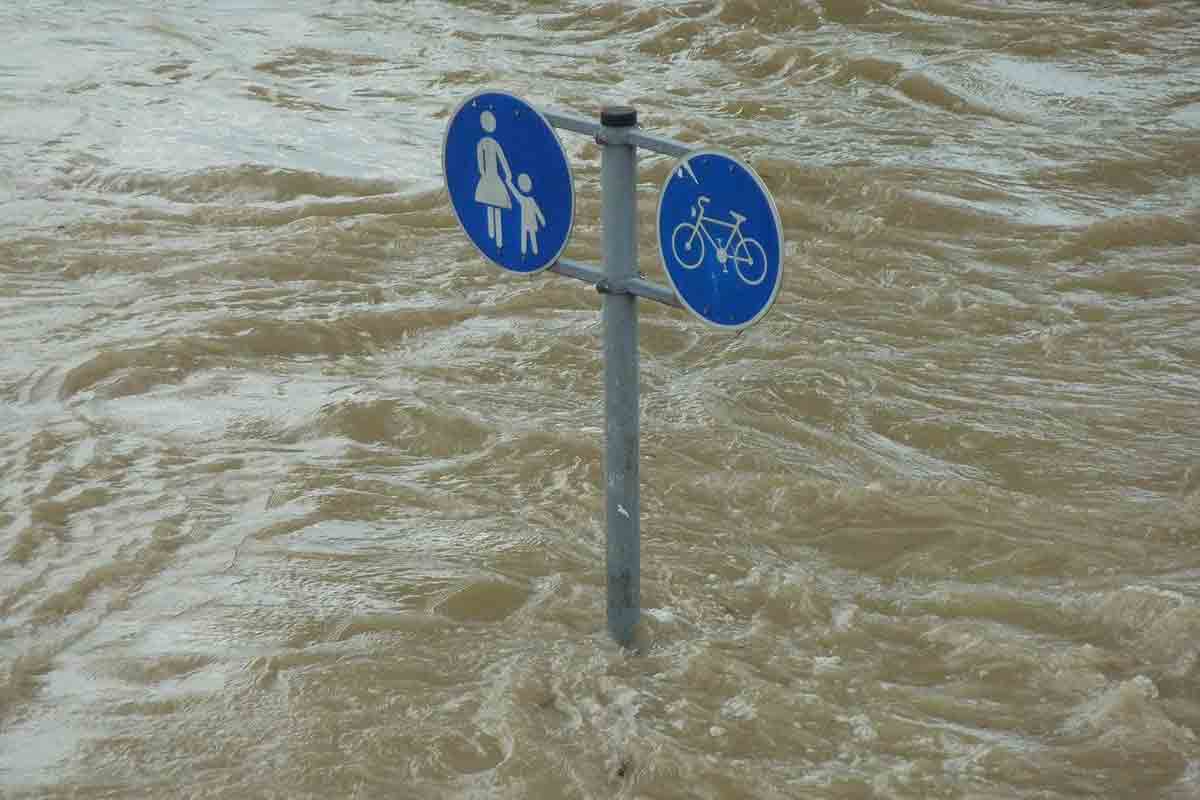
(662, 259)
(570, 174)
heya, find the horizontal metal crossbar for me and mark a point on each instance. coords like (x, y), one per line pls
(632, 136)
(639, 287)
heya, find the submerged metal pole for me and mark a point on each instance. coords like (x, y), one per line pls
(618, 218)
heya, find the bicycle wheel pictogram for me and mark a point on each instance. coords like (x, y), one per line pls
(688, 248)
(750, 261)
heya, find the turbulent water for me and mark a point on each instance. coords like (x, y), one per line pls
(299, 497)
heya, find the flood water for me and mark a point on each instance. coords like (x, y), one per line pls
(301, 498)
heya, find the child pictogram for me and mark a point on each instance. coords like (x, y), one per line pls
(532, 219)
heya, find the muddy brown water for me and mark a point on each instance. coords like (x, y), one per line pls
(300, 498)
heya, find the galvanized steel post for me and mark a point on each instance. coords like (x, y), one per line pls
(618, 217)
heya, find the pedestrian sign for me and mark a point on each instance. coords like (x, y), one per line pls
(720, 239)
(509, 181)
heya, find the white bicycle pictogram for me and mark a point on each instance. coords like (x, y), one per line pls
(748, 256)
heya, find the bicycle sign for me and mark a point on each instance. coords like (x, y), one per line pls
(720, 239)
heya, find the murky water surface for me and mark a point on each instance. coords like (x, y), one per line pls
(300, 498)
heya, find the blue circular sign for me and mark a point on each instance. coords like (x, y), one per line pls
(509, 181)
(720, 239)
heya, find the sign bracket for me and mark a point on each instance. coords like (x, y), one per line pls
(639, 286)
(632, 135)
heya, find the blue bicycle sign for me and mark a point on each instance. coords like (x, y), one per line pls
(720, 239)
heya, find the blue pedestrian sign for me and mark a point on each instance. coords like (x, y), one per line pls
(509, 181)
(720, 239)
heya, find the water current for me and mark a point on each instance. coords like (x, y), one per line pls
(300, 497)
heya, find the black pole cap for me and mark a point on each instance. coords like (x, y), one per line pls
(618, 116)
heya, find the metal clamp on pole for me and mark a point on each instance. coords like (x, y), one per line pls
(636, 285)
(618, 216)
